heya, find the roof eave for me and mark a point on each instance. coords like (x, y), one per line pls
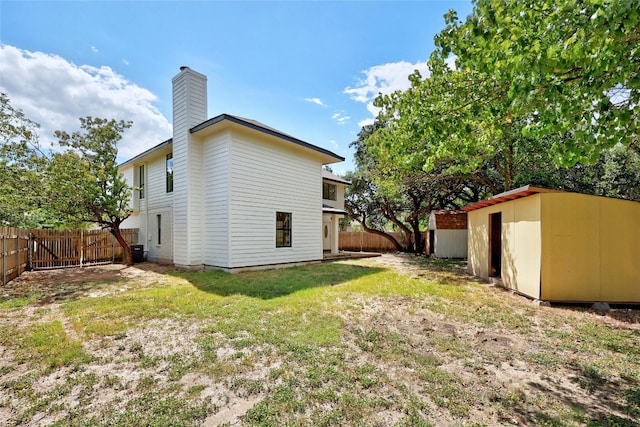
(151, 150)
(327, 156)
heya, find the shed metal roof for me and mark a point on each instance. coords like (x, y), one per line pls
(517, 193)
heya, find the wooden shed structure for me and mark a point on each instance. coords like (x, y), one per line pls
(448, 234)
(558, 246)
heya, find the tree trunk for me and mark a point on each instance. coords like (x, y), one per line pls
(417, 235)
(391, 216)
(389, 237)
(126, 249)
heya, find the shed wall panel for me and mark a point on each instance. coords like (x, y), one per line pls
(478, 243)
(524, 246)
(520, 241)
(450, 243)
(619, 250)
(591, 248)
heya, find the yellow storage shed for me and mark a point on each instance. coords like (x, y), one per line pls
(557, 246)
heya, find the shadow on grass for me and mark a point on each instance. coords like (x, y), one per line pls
(269, 284)
(49, 286)
(618, 403)
(45, 287)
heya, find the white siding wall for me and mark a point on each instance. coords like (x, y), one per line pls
(160, 251)
(189, 109)
(451, 243)
(216, 200)
(156, 201)
(267, 177)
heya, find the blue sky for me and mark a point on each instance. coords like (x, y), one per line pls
(309, 69)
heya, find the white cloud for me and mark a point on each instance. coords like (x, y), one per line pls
(385, 79)
(125, 62)
(365, 122)
(451, 62)
(334, 145)
(316, 101)
(94, 49)
(55, 93)
(340, 118)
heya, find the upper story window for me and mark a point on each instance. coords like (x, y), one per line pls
(170, 173)
(283, 229)
(329, 191)
(141, 181)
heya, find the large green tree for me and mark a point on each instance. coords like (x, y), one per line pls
(443, 126)
(83, 180)
(21, 169)
(569, 67)
(381, 197)
(538, 87)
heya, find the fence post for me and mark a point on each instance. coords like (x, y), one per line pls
(4, 260)
(113, 249)
(30, 253)
(18, 253)
(81, 246)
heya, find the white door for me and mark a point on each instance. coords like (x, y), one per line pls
(326, 235)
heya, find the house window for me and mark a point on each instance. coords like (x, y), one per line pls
(329, 191)
(141, 181)
(159, 218)
(283, 229)
(170, 173)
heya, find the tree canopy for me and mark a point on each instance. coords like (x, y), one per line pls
(78, 182)
(381, 197)
(541, 93)
(84, 181)
(21, 168)
(568, 67)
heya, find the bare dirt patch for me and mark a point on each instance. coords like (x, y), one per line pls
(48, 286)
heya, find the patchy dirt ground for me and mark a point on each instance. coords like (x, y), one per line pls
(519, 360)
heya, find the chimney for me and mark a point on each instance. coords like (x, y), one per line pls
(189, 110)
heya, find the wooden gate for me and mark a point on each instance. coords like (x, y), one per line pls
(68, 248)
(31, 249)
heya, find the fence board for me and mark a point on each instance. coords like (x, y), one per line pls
(14, 250)
(368, 242)
(24, 249)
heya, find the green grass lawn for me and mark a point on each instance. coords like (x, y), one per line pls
(343, 343)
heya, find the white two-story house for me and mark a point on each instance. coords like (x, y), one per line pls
(231, 193)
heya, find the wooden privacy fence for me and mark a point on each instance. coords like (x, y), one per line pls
(14, 251)
(33, 249)
(368, 242)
